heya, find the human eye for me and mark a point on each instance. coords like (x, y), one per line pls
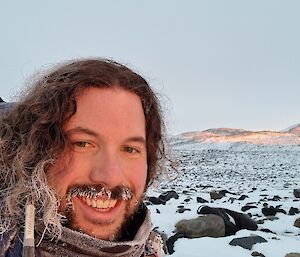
(81, 145)
(129, 149)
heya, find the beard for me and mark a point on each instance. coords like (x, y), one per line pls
(123, 229)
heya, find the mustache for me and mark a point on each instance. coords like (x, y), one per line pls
(94, 191)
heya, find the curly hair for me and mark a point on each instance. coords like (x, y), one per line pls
(32, 138)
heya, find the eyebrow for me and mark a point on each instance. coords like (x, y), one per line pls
(138, 139)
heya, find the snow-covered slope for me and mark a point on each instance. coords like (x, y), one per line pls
(228, 135)
(265, 174)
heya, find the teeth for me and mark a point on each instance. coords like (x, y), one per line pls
(88, 201)
(98, 203)
(94, 203)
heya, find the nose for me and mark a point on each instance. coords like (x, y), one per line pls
(107, 169)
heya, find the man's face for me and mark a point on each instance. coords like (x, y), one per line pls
(106, 152)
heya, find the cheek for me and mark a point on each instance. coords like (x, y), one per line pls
(58, 175)
(138, 179)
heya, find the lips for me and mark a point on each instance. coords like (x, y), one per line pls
(104, 204)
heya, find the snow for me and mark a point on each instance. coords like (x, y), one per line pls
(258, 171)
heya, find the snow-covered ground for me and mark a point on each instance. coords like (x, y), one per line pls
(259, 172)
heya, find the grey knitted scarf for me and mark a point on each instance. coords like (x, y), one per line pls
(73, 244)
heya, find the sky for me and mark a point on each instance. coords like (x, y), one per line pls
(222, 63)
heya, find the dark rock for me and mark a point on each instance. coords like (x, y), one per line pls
(243, 197)
(224, 192)
(215, 195)
(266, 230)
(297, 223)
(201, 200)
(275, 198)
(293, 255)
(272, 211)
(166, 196)
(293, 211)
(247, 242)
(231, 199)
(182, 210)
(257, 254)
(206, 186)
(155, 200)
(208, 225)
(187, 200)
(247, 207)
(271, 218)
(171, 240)
(297, 193)
(158, 211)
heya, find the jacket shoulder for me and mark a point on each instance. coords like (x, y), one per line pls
(154, 245)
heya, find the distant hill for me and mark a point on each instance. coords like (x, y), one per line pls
(294, 129)
(290, 136)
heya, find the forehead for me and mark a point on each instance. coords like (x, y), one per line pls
(108, 110)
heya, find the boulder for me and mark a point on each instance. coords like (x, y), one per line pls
(243, 197)
(155, 200)
(210, 225)
(215, 195)
(166, 196)
(183, 209)
(257, 254)
(297, 223)
(297, 193)
(293, 211)
(247, 242)
(201, 200)
(272, 211)
(248, 207)
(293, 255)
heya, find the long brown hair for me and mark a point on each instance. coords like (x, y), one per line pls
(31, 135)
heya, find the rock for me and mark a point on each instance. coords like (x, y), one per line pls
(297, 193)
(275, 198)
(293, 255)
(166, 196)
(215, 195)
(224, 192)
(262, 221)
(247, 242)
(171, 240)
(248, 207)
(272, 211)
(201, 200)
(243, 197)
(155, 200)
(257, 254)
(266, 230)
(297, 223)
(210, 225)
(293, 211)
(182, 210)
(158, 211)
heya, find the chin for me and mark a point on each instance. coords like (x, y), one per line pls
(105, 230)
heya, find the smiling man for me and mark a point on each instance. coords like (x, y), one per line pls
(78, 152)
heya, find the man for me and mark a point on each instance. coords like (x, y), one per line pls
(78, 151)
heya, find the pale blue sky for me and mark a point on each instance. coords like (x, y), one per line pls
(216, 63)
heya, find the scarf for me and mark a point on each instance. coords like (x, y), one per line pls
(73, 243)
